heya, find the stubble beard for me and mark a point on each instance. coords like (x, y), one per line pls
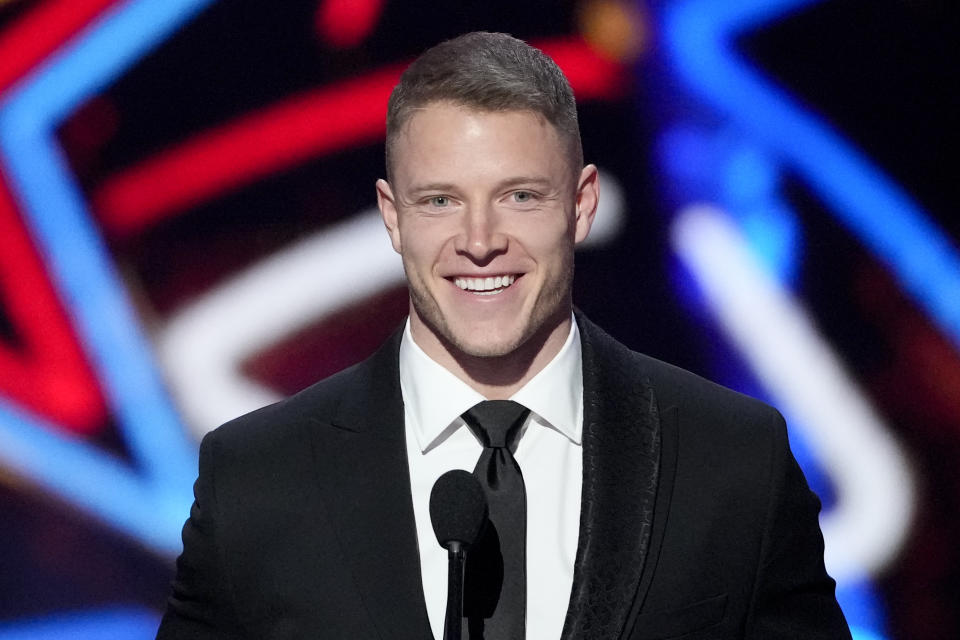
(551, 308)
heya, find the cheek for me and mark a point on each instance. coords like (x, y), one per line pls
(548, 241)
(422, 246)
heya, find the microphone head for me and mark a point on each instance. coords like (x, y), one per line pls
(458, 508)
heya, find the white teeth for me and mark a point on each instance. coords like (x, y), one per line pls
(485, 286)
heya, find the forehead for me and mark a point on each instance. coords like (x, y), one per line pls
(456, 139)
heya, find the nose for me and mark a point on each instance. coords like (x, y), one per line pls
(481, 238)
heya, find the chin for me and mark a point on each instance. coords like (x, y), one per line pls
(494, 338)
(481, 340)
(485, 348)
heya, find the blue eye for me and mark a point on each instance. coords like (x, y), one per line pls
(522, 196)
(439, 201)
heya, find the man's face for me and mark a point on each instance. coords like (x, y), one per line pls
(485, 211)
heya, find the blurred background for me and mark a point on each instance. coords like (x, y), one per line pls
(187, 232)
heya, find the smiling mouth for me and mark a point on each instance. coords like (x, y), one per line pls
(489, 286)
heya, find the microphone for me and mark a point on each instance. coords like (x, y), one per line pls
(458, 511)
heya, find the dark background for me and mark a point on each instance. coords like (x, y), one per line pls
(880, 74)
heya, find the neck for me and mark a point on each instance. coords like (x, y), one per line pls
(497, 377)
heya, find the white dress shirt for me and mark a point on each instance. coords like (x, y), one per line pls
(550, 457)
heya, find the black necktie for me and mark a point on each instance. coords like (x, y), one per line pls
(495, 584)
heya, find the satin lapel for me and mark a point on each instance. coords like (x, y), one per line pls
(362, 466)
(621, 454)
(669, 447)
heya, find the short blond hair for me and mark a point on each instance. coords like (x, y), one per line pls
(487, 72)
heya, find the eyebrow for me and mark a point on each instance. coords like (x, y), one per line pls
(432, 186)
(533, 180)
(505, 184)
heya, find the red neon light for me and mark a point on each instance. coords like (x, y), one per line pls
(347, 23)
(323, 121)
(236, 153)
(41, 32)
(49, 373)
(591, 75)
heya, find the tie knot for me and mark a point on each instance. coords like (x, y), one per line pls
(496, 422)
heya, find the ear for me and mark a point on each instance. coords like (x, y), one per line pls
(588, 195)
(388, 211)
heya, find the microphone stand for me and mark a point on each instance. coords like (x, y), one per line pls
(453, 623)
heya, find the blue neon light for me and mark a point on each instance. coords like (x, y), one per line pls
(863, 634)
(721, 167)
(108, 624)
(148, 502)
(699, 36)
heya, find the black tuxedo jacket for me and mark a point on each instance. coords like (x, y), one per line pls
(696, 521)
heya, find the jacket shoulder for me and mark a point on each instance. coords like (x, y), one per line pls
(678, 387)
(345, 397)
(314, 404)
(673, 385)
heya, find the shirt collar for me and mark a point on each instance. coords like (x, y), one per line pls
(434, 397)
(556, 392)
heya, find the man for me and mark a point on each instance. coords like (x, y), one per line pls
(658, 505)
